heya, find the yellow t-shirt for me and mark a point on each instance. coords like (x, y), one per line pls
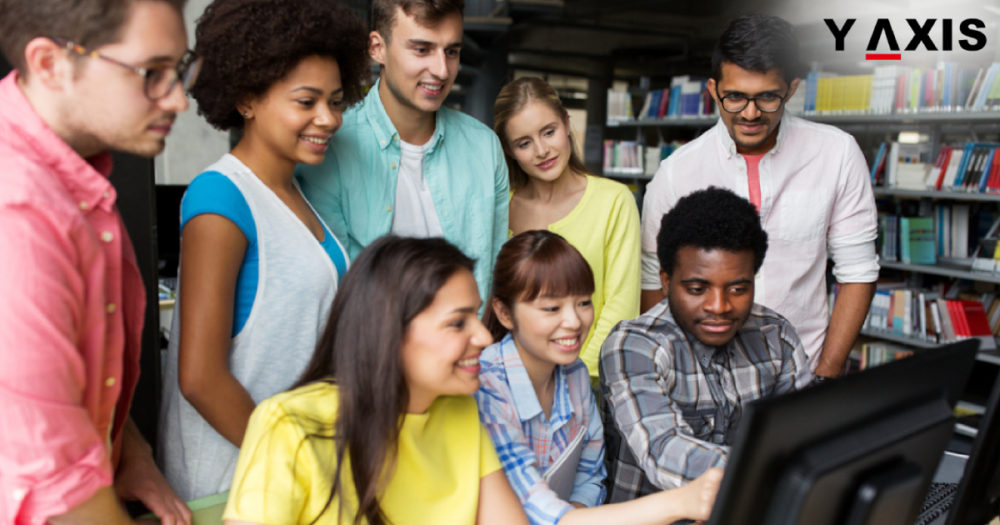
(285, 476)
(604, 228)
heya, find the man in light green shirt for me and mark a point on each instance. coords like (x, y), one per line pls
(403, 164)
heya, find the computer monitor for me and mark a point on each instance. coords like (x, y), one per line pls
(978, 497)
(861, 449)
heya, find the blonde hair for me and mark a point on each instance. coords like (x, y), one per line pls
(512, 99)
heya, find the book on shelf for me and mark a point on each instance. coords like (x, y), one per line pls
(878, 165)
(916, 240)
(619, 106)
(906, 165)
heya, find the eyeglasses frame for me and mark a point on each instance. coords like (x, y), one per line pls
(188, 62)
(782, 99)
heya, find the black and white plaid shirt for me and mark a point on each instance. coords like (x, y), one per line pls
(672, 403)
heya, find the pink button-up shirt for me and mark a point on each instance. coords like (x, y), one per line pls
(71, 312)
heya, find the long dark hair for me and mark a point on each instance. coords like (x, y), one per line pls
(534, 263)
(391, 281)
(513, 98)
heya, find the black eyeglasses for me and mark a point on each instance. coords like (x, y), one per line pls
(765, 102)
(157, 82)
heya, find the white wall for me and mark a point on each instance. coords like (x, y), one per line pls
(192, 144)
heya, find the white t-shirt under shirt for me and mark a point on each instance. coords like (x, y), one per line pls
(415, 214)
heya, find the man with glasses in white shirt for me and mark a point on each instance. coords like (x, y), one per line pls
(809, 182)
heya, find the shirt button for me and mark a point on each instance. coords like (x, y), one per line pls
(393, 165)
(109, 382)
(84, 205)
(106, 194)
(107, 236)
(382, 142)
(388, 208)
(19, 494)
(111, 308)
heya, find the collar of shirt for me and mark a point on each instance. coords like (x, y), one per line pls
(665, 323)
(729, 146)
(385, 131)
(85, 179)
(525, 400)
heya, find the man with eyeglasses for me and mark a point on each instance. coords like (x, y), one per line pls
(808, 181)
(88, 77)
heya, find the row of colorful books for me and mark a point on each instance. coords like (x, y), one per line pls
(930, 316)
(619, 106)
(910, 240)
(686, 96)
(628, 157)
(872, 354)
(954, 231)
(972, 167)
(904, 89)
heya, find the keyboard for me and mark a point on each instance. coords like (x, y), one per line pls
(938, 501)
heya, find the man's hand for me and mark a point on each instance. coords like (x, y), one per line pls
(138, 478)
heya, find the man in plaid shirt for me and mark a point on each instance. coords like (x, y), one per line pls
(676, 378)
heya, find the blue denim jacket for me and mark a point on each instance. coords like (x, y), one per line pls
(354, 188)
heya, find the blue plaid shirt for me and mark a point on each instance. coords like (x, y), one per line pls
(673, 403)
(528, 443)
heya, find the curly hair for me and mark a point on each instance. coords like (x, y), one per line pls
(758, 43)
(248, 45)
(711, 219)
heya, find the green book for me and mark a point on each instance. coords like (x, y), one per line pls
(916, 240)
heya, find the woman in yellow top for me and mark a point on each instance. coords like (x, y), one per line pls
(551, 190)
(382, 427)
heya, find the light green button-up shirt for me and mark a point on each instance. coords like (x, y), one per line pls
(354, 189)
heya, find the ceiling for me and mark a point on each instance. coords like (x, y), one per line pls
(659, 39)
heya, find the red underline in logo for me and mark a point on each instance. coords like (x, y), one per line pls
(883, 56)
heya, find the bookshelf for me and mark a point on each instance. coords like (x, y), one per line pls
(944, 269)
(882, 191)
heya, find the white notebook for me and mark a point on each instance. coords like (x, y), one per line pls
(561, 474)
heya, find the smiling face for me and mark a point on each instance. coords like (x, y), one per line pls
(548, 331)
(419, 63)
(294, 120)
(106, 107)
(538, 138)
(753, 131)
(441, 348)
(710, 292)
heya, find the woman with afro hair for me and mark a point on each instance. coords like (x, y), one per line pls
(259, 268)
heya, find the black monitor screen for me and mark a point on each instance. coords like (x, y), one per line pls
(978, 496)
(858, 450)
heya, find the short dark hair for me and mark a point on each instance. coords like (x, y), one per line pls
(426, 12)
(248, 45)
(758, 43)
(711, 219)
(90, 24)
